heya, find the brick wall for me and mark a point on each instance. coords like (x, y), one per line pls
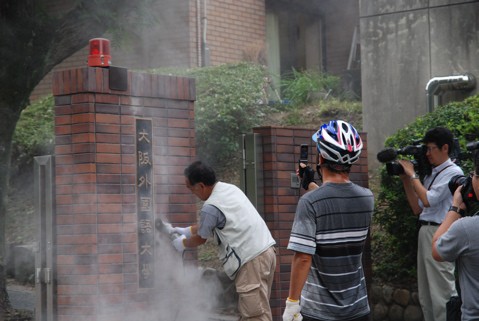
(96, 183)
(234, 27)
(280, 159)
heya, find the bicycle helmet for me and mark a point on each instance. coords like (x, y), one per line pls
(338, 142)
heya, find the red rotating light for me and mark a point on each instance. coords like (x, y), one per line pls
(99, 53)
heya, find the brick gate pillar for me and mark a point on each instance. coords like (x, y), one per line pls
(100, 268)
(280, 159)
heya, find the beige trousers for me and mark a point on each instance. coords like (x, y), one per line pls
(435, 280)
(253, 284)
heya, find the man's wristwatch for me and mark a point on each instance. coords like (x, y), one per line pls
(415, 176)
(458, 210)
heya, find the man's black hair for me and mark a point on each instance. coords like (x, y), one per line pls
(336, 168)
(199, 172)
(440, 136)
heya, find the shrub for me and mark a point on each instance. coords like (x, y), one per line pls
(395, 232)
(307, 87)
(231, 99)
(324, 111)
(34, 134)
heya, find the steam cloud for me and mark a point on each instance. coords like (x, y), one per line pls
(183, 291)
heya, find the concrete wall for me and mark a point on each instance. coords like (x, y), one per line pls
(403, 45)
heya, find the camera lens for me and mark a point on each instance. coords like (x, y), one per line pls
(455, 182)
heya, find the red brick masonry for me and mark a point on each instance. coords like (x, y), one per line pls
(95, 155)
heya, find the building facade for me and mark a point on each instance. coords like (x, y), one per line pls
(404, 44)
(283, 34)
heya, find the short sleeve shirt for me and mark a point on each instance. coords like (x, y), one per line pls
(460, 243)
(210, 218)
(331, 223)
(438, 195)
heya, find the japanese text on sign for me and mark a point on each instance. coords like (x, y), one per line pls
(144, 187)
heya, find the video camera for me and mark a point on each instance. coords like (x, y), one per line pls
(417, 150)
(420, 161)
(467, 192)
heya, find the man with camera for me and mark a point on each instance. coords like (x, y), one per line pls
(328, 234)
(430, 200)
(457, 239)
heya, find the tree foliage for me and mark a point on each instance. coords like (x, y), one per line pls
(231, 99)
(307, 87)
(34, 39)
(34, 133)
(395, 234)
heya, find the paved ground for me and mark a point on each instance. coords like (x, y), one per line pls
(21, 296)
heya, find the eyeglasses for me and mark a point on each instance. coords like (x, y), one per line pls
(472, 174)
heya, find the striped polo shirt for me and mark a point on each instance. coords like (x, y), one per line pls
(332, 223)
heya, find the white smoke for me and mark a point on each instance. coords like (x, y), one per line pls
(182, 292)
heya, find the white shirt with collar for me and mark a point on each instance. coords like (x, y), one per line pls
(438, 195)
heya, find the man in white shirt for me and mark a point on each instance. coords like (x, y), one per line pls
(430, 200)
(246, 247)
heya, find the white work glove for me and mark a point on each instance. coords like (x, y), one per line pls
(291, 312)
(168, 227)
(179, 244)
(186, 231)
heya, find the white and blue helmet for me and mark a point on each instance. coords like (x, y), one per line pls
(338, 142)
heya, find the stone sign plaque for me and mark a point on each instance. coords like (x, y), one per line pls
(144, 186)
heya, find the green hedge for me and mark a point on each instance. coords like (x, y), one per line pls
(395, 232)
(34, 134)
(309, 87)
(231, 99)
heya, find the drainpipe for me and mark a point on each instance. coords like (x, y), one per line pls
(198, 33)
(204, 46)
(438, 85)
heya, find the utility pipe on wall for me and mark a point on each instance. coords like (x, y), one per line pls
(205, 51)
(198, 33)
(438, 85)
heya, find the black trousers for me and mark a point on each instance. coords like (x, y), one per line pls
(363, 318)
